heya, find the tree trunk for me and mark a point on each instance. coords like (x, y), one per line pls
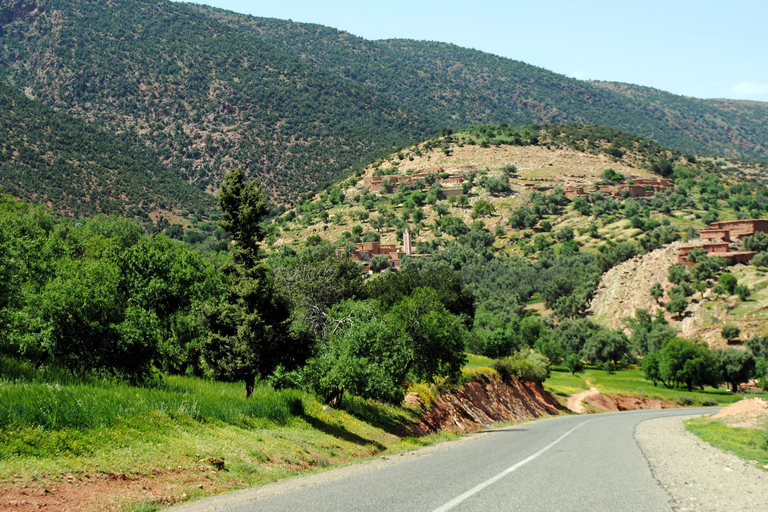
(735, 387)
(250, 383)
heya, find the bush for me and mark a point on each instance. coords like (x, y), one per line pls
(730, 332)
(760, 259)
(526, 366)
(574, 364)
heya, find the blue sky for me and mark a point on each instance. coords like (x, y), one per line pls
(706, 49)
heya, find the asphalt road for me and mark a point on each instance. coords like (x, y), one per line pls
(572, 463)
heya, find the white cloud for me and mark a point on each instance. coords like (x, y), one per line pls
(580, 75)
(750, 90)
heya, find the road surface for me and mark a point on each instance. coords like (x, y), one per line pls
(570, 463)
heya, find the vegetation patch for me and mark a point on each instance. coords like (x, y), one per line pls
(748, 443)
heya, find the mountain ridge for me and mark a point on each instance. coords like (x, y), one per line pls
(300, 105)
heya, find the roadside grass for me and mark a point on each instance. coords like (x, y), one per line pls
(66, 427)
(632, 382)
(748, 443)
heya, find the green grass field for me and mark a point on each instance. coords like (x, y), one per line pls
(631, 382)
(77, 427)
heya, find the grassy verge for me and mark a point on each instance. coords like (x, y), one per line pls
(631, 382)
(748, 443)
(70, 430)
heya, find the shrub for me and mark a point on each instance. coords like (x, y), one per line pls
(574, 364)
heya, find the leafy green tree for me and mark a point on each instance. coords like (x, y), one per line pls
(451, 289)
(369, 351)
(757, 242)
(313, 281)
(248, 328)
(607, 346)
(649, 333)
(728, 281)
(736, 366)
(678, 305)
(730, 332)
(742, 291)
(362, 353)
(482, 208)
(651, 367)
(656, 291)
(760, 259)
(678, 274)
(529, 366)
(574, 364)
(379, 262)
(684, 362)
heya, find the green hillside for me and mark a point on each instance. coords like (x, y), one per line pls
(52, 157)
(297, 105)
(203, 96)
(459, 86)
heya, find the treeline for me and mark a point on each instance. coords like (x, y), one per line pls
(102, 298)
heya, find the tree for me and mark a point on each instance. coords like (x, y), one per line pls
(730, 332)
(441, 209)
(607, 346)
(651, 367)
(482, 208)
(248, 327)
(678, 273)
(361, 353)
(656, 291)
(728, 281)
(370, 352)
(574, 364)
(684, 362)
(742, 291)
(736, 366)
(678, 305)
(379, 262)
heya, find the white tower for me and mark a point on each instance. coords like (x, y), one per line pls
(407, 243)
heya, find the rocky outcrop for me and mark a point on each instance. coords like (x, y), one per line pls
(485, 401)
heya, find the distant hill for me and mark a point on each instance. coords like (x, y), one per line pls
(55, 158)
(459, 86)
(298, 105)
(202, 95)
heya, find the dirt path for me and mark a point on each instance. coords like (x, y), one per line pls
(576, 402)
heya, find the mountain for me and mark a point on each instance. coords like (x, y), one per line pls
(459, 87)
(298, 105)
(54, 158)
(202, 95)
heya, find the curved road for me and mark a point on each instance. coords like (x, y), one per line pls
(589, 462)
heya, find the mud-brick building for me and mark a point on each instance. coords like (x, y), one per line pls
(718, 250)
(733, 230)
(640, 187)
(377, 183)
(365, 252)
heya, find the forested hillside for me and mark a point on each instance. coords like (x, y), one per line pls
(297, 105)
(55, 158)
(203, 96)
(460, 86)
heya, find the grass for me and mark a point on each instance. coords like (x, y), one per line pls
(631, 382)
(748, 443)
(166, 432)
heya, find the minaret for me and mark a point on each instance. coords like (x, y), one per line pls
(407, 243)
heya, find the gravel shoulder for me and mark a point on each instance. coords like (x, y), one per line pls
(697, 476)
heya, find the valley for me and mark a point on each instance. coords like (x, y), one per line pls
(235, 250)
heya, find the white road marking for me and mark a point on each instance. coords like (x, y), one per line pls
(460, 498)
